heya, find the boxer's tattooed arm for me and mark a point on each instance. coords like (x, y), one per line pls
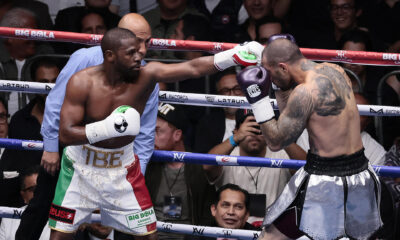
(292, 121)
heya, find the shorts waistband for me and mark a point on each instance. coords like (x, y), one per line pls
(344, 165)
(101, 157)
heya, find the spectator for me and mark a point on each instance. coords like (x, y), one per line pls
(121, 7)
(9, 226)
(223, 120)
(3, 121)
(356, 40)
(321, 34)
(69, 20)
(359, 40)
(30, 117)
(40, 9)
(14, 52)
(310, 22)
(268, 26)
(382, 17)
(257, 9)
(164, 20)
(5, 6)
(191, 27)
(180, 192)
(390, 199)
(390, 96)
(373, 150)
(225, 17)
(344, 14)
(264, 184)
(6, 177)
(57, 5)
(281, 8)
(93, 23)
(231, 209)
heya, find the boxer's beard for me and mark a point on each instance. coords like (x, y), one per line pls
(128, 75)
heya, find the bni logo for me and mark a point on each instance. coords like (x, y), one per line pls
(253, 90)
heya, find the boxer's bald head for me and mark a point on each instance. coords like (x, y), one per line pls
(140, 27)
(281, 51)
(134, 22)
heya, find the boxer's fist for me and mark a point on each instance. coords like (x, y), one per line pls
(123, 121)
(255, 83)
(247, 54)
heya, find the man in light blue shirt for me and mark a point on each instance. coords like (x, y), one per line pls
(36, 214)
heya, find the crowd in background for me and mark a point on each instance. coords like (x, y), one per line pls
(202, 195)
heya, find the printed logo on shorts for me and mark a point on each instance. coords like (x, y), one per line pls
(62, 214)
(141, 219)
(253, 90)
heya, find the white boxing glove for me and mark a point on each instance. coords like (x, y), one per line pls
(123, 121)
(246, 55)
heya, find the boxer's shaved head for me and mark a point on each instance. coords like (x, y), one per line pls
(135, 23)
(112, 38)
(282, 51)
(140, 27)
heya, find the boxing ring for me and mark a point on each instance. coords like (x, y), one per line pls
(206, 100)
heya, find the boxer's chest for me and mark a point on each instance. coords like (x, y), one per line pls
(104, 99)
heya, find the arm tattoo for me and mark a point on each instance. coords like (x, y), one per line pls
(333, 90)
(292, 121)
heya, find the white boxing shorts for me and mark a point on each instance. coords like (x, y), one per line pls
(107, 179)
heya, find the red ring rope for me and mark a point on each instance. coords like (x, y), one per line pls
(357, 57)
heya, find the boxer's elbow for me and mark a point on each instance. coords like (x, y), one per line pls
(275, 144)
(275, 147)
(63, 136)
(67, 136)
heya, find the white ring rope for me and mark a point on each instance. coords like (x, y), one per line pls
(206, 100)
(16, 213)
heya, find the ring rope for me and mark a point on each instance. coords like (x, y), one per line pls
(205, 159)
(206, 100)
(16, 213)
(354, 57)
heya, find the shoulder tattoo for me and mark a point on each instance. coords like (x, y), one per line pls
(333, 91)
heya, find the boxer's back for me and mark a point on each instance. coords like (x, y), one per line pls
(334, 125)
